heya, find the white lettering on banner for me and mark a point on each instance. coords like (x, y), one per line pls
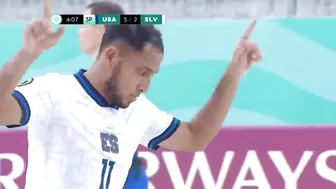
(18, 167)
(251, 163)
(322, 168)
(153, 165)
(290, 177)
(199, 164)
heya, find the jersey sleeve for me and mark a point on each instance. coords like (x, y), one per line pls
(161, 125)
(33, 97)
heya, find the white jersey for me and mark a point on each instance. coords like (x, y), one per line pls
(77, 140)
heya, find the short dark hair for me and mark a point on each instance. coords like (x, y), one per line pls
(137, 36)
(105, 7)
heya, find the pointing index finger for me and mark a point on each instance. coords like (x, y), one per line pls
(249, 30)
(46, 10)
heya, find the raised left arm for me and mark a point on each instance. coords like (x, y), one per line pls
(197, 134)
(168, 132)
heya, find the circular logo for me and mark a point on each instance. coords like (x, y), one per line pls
(56, 19)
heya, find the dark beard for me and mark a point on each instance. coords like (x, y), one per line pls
(113, 97)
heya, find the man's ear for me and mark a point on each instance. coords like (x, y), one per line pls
(111, 54)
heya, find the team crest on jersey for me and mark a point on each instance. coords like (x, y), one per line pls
(27, 82)
(109, 143)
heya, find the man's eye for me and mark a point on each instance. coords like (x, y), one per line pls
(144, 73)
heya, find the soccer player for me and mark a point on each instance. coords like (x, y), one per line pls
(90, 37)
(83, 129)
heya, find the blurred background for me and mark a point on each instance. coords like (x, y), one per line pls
(18, 10)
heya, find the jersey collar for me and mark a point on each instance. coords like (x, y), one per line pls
(91, 91)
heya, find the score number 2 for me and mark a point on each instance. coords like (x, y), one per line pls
(106, 163)
(130, 19)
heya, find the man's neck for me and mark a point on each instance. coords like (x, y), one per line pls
(96, 82)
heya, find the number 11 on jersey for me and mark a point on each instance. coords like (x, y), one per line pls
(104, 184)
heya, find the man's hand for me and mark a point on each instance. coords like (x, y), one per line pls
(246, 53)
(39, 36)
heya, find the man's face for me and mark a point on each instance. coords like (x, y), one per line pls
(90, 37)
(131, 72)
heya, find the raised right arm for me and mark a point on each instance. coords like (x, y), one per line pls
(38, 37)
(10, 75)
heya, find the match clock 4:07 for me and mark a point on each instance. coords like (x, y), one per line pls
(67, 19)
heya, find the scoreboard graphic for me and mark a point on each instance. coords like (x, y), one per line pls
(108, 19)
